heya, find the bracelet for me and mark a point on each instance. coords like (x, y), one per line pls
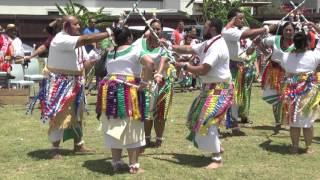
(157, 75)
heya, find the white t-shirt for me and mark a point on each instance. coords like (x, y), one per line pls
(300, 62)
(295, 63)
(217, 56)
(232, 37)
(17, 47)
(62, 52)
(126, 61)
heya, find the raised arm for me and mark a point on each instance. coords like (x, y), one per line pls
(91, 38)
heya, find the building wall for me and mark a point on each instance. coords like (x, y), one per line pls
(112, 7)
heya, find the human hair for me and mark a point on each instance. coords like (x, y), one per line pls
(300, 40)
(217, 23)
(233, 13)
(282, 27)
(151, 23)
(121, 37)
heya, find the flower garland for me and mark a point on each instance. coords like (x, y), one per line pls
(119, 100)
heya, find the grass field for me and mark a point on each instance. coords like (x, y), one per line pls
(258, 155)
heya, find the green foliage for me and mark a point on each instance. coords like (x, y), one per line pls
(81, 12)
(220, 9)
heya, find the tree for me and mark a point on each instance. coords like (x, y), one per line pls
(82, 13)
(220, 9)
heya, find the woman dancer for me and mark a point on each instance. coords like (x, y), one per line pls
(300, 95)
(121, 101)
(273, 73)
(162, 97)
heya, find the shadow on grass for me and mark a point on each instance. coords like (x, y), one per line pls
(316, 140)
(184, 159)
(281, 149)
(46, 153)
(102, 166)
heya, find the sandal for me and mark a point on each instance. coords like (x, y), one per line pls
(119, 166)
(135, 169)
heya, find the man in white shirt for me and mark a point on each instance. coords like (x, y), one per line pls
(216, 77)
(62, 94)
(235, 35)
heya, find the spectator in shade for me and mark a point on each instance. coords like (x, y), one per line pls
(178, 34)
(18, 51)
(91, 29)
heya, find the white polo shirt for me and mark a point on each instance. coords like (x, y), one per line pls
(217, 56)
(232, 37)
(63, 55)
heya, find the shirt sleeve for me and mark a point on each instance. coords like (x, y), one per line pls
(232, 34)
(269, 41)
(67, 42)
(198, 47)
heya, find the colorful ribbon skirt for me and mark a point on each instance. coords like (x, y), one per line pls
(210, 107)
(118, 99)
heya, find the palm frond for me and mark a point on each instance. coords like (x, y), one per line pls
(61, 11)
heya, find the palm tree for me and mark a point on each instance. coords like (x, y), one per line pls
(82, 13)
(220, 9)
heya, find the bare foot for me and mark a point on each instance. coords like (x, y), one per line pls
(134, 170)
(83, 150)
(221, 149)
(294, 150)
(55, 154)
(214, 165)
(309, 150)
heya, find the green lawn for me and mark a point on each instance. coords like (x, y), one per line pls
(259, 155)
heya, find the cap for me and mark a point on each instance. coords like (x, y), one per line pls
(11, 26)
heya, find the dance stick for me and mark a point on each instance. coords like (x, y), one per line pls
(171, 59)
(296, 8)
(129, 84)
(134, 6)
(303, 17)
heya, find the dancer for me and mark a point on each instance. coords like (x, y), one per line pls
(234, 33)
(300, 89)
(273, 73)
(161, 98)
(210, 107)
(62, 92)
(121, 102)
